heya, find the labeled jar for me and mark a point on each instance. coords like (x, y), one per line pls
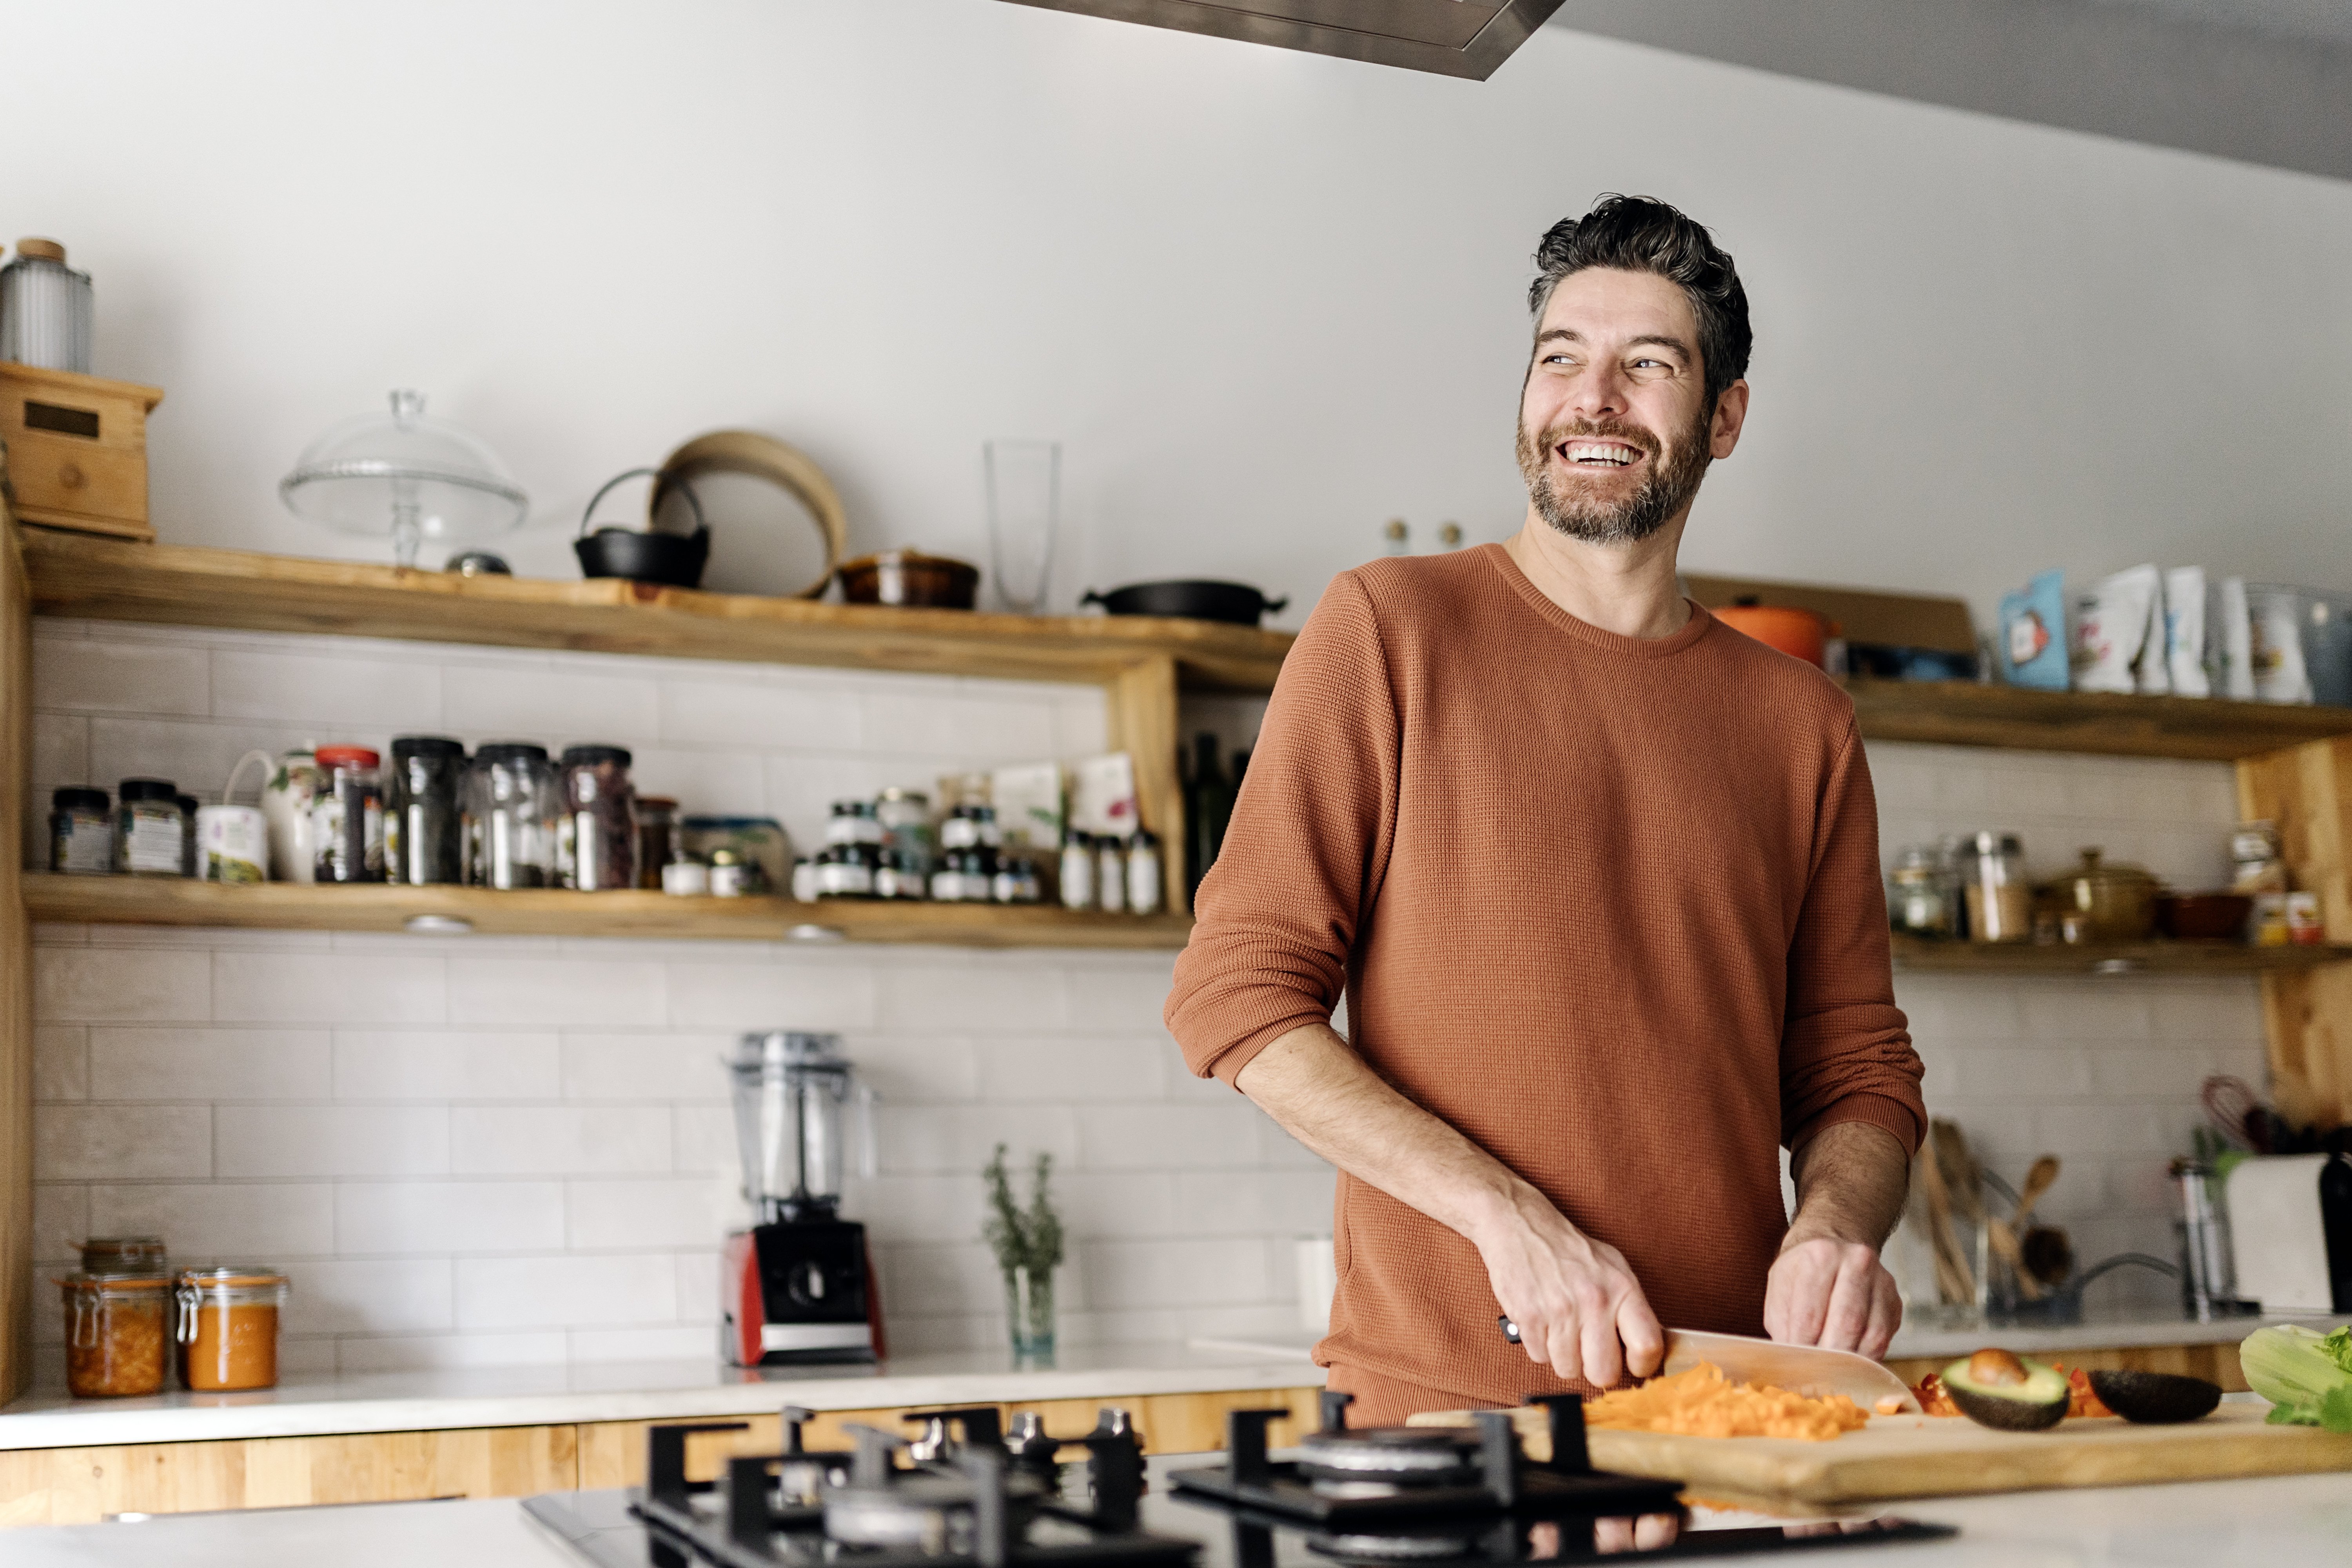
(149, 838)
(1919, 894)
(1077, 871)
(509, 806)
(1144, 882)
(597, 842)
(898, 878)
(685, 874)
(347, 816)
(846, 870)
(116, 1330)
(1110, 874)
(657, 837)
(81, 832)
(853, 822)
(189, 863)
(906, 818)
(760, 842)
(225, 1326)
(731, 876)
(424, 830)
(2001, 903)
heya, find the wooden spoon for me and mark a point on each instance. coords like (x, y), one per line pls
(2038, 1181)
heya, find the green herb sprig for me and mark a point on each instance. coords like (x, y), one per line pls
(1030, 1238)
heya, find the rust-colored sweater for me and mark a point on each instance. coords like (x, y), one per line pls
(1609, 905)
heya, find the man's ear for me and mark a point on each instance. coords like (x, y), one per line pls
(1730, 418)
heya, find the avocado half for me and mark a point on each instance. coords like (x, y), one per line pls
(2155, 1398)
(1994, 1388)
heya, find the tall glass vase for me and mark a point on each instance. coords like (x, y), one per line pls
(1029, 1305)
(1024, 497)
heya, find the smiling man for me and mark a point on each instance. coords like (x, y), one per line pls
(1598, 878)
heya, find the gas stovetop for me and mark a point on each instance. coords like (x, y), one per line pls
(965, 1494)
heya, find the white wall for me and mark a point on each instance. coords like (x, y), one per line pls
(1267, 299)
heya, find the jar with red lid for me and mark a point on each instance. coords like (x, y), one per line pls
(226, 1328)
(116, 1331)
(347, 816)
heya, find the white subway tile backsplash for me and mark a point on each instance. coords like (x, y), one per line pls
(400, 695)
(117, 1142)
(195, 755)
(775, 716)
(1140, 1274)
(74, 986)
(60, 1221)
(646, 1067)
(1007, 995)
(1089, 1069)
(702, 1140)
(649, 1213)
(233, 1222)
(419, 1063)
(729, 997)
(497, 1141)
(698, 1342)
(556, 707)
(595, 1292)
(410, 1296)
(926, 1140)
(553, 992)
(327, 988)
(1169, 1137)
(61, 1062)
(83, 676)
(455, 1217)
(434, 1352)
(1255, 1203)
(259, 1140)
(182, 1064)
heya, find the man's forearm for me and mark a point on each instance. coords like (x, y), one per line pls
(1850, 1179)
(1321, 1092)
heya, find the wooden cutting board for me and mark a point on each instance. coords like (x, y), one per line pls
(1923, 1456)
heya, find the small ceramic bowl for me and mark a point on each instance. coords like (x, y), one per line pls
(910, 578)
(2203, 916)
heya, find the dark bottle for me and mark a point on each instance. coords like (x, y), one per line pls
(1207, 811)
(2335, 1221)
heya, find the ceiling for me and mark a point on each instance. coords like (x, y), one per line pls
(2263, 81)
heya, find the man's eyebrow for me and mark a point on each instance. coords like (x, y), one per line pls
(1658, 340)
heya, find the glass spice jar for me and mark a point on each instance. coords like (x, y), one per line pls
(347, 816)
(657, 837)
(509, 805)
(81, 832)
(226, 1328)
(149, 838)
(1919, 894)
(189, 863)
(2000, 901)
(599, 828)
(116, 1330)
(424, 830)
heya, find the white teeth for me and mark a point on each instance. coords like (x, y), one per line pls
(1594, 452)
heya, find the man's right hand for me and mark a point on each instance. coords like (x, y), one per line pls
(1579, 1308)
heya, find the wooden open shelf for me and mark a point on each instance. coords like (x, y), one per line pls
(1913, 955)
(288, 906)
(2206, 729)
(172, 585)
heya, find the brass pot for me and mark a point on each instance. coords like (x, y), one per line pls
(2102, 902)
(909, 579)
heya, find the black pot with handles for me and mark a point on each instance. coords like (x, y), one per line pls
(1196, 598)
(643, 555)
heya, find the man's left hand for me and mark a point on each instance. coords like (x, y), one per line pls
(1826, 1291)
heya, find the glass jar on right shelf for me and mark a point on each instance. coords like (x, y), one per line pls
(1999, 899)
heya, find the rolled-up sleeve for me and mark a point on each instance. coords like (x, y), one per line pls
(1278, 913)
(1845, 1049)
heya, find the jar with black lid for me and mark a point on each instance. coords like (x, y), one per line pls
(150, 838)
(347, 816)
(81, 832)
(423, 831)
(510, 804)
(187, 804)
(600, 822)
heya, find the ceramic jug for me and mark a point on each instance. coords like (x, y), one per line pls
(293, 780)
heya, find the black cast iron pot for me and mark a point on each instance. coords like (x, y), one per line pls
(1199, 599)
(643, 555)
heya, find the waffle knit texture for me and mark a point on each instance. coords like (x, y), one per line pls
(1609, 905)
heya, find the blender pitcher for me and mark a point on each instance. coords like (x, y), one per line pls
(795, 1097)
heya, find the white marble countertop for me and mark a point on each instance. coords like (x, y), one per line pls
(2110, 1333)
(2292, 1521)
(532, 1396)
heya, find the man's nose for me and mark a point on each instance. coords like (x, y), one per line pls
(1600, 392)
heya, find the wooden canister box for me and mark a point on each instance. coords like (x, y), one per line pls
(77, 449)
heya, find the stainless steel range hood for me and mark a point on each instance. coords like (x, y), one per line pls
(1452, 38)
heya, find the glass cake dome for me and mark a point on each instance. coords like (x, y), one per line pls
(405, 476)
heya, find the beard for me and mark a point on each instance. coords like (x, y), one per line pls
(1674, 479)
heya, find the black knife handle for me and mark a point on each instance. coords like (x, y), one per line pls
(1511, 1329)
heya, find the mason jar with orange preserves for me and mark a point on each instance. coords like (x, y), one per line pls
(116, 1330)
(227, 1328)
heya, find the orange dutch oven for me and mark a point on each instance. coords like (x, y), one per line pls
(1800, 633)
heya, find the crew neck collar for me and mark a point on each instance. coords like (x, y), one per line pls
(1585, 631)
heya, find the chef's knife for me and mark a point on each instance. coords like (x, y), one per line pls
(1800, 1369)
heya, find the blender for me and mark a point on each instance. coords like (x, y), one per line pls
(798, 1287)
